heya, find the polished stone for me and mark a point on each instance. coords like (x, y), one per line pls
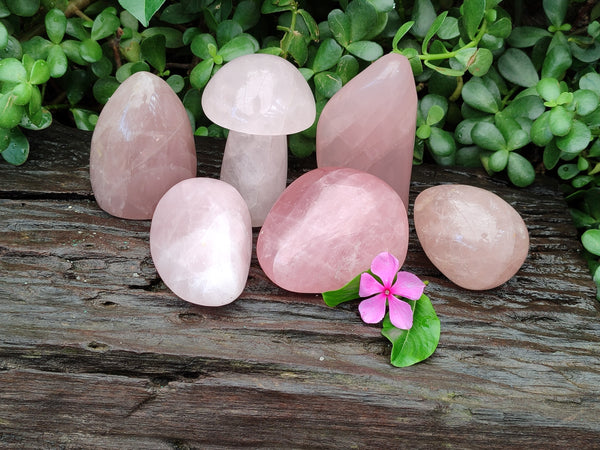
(327, 227)
(471, 235)
(370, 123)
(257, 167)
(142, 145)
(259, 94)
(201, 241)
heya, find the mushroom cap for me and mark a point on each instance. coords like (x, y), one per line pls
(259, 94)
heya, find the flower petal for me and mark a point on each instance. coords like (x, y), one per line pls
(369, 285)
(372, 309)
(385, 266)
(401, 314)
(408, 285)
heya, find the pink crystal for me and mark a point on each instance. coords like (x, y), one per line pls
(142, 145)
(327, 227)
(261, 98)
(259, 94)
(201, 241)
(471, 235)
(257, 167)
(370, 123)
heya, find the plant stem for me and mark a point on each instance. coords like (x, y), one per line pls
(473, 43)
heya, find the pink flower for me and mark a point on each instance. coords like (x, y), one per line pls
(406, 284)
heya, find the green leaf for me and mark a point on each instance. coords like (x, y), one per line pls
(463, 130)
(40, 72)
(473, 12)
(244, 44)
(301, 146)
(57, 61)
(12, 71)
(347, 68)
(548, 88)
(476, 94)
(591, 81)
(22, 93)
(200, 45)
(423, 16)
(443, 70)
(173, 37)
(476, 60)
(555, 11)
(516, 67)
(557, 61)
(383, 6)
(56, 25)
(366, 50)
(576, 140)
(441, 142)
(177, 13)
(568, 171)
(328, 55)
(541, 134)
(105, 24)
(89, 50)
(586, 101)
(424, 131)
(41, 120)
(3, 36)
(501, 28)
(498, 160)
(363, 18)
(23, 8)
(311, 24)
(17, 151)
(10, 112)
(449, 29)
(154, 52)
(247, 14)
(340, 26)
(435, 114)
(104, 88)
(327, 83)
(274, 6)
(345, 294)
(227, 30)
(520, 171)
(201, 73)
(84, 118)
(296, 46)
(142, 10)
(523, 37)
(128, 69)
(176, 82)
(400, 33)
(560, 120)
(435, 26)
(417, 344)
(529, 106)
(487, 135)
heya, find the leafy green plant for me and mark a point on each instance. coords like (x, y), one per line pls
(514, 98)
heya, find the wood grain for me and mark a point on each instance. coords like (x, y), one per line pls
(96, 352)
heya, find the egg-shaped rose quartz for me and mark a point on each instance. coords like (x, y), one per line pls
(327, 227)
(201, 241)
(471, 235)
(142, 145)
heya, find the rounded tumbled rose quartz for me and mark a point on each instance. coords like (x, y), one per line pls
(471, 235)
(201, 241)
(327, 227)
(369, 124)
(142, 145)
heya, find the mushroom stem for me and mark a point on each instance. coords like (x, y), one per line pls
(256, 166)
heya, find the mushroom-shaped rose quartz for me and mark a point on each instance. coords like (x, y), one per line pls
(260, 98)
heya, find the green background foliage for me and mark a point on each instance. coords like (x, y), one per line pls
(512, 87)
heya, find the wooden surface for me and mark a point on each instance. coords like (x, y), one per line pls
(96, 352)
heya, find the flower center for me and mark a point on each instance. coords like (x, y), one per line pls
(387, 292)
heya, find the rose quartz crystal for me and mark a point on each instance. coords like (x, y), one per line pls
(261, 98)
(142, 145)
(201, 241)
(472, 236)
(327, 227)
(370, 123)
(265, 157)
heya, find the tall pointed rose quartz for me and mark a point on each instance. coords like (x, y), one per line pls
(142, 145)
(370, 123)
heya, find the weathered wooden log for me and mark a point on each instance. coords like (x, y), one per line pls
(96, 352)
